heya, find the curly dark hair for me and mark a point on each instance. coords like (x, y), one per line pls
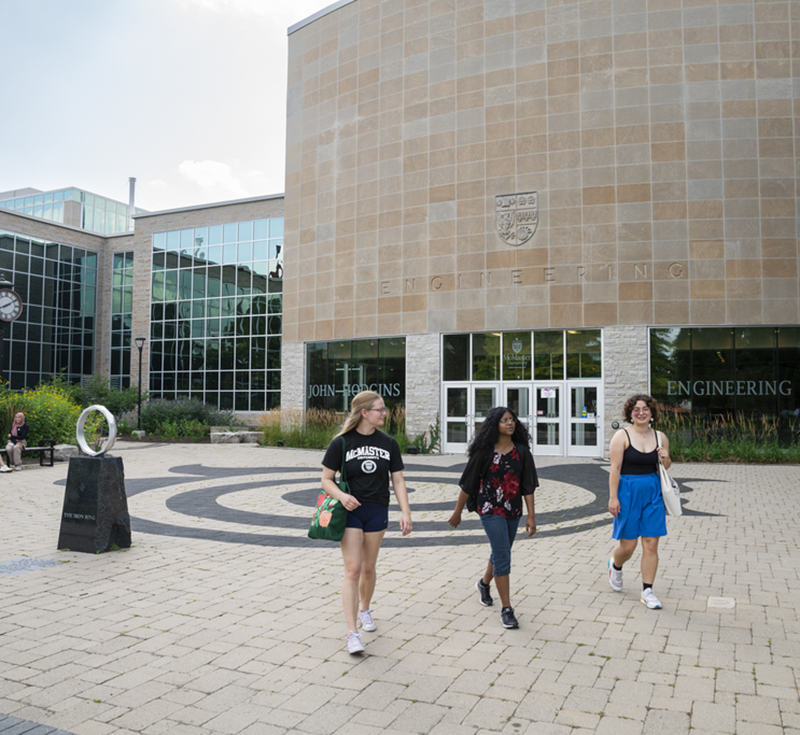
(486, 437)
(631, 402)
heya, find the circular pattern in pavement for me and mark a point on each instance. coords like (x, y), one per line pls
(571, 499)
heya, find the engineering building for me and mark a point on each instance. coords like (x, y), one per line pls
(548, 205)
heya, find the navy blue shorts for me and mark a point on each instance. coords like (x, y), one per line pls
(369, 517)
(641, 508)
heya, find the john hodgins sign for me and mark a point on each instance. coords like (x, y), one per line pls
(387, 390)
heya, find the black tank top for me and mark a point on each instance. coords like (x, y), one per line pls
(635, 462)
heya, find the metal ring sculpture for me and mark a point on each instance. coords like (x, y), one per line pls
(112, 431)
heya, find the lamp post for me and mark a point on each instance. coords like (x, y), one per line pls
(140, 343)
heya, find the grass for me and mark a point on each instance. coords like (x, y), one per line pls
(741, 439)
(315, 429)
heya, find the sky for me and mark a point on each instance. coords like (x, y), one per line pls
(188, 96)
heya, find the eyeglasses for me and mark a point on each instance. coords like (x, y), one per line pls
(508, 421)
(641, 410)
(381, 411)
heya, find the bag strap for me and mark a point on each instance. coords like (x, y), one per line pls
(657, 446)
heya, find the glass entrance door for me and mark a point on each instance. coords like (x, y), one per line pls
(518, 399)
(548, 435)
(466, 407)
(563, 417)
(585, 436)
(456, 400)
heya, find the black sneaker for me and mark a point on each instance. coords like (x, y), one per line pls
(508, 618)
(483, 589)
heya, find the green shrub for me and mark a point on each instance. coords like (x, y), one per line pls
(315, 429)
(741, 439)
(50, 413)
(117, 400)
(182, 430)
(160, 412)
(73, 390)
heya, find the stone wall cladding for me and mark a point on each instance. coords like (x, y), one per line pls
(423, 385)
(661, 140)
(625, 372)
(293, 375)
(50, 231)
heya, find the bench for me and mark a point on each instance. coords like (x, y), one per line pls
(47, 446)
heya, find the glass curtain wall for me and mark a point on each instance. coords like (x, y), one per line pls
(98, 214)
(121, 316)
(711, 373)
(513, 356)
(338, 371)
(55, 333)
(217, 304)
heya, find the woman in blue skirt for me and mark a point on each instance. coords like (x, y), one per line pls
(634, 493)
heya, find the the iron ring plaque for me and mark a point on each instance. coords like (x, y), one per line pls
(112, 431)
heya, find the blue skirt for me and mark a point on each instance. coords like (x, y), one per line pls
(641, 508)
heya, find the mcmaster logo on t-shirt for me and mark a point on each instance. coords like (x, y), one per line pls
(368, 467)
(367, 453)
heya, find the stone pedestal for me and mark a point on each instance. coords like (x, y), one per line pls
(95, 515)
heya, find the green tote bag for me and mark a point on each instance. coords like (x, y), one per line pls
(330, 516)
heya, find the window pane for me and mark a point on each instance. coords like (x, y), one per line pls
(583, 354)
(486, 357)
(455, 362)
(548, 351)
(788, 370)
(712, 362)
(517, 356)
(755, 363)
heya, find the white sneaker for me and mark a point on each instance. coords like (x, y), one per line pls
(614, 576)
(5, 468)
(649, 598)
(354, 644)
(367, 623)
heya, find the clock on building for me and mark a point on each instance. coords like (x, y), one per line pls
(10, 305)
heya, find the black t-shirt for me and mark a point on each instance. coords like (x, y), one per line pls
(368, 464)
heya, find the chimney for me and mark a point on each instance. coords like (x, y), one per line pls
(131, 199)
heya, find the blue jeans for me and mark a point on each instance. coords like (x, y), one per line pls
(501, 532)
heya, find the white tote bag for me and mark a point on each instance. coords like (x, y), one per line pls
(670, 490)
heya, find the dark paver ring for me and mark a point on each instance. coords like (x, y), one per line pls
(204, 503)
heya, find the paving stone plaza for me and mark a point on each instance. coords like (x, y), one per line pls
(223, 618)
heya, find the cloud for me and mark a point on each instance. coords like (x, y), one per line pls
(285, 13)
(212, 176)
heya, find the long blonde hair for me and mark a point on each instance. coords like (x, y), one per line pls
(363, 400)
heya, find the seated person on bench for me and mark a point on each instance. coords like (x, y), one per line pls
(16, 443)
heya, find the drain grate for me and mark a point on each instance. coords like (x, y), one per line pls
(15, 567)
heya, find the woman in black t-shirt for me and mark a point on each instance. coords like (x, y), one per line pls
(500, 474)
(370, 457)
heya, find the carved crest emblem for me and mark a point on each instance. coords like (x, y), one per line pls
(517, 216)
